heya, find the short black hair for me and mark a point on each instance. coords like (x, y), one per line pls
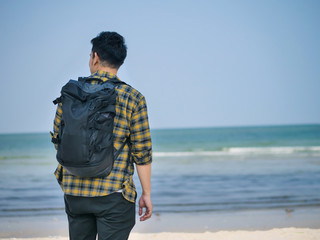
(111, 48)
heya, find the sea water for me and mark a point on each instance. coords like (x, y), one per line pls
(193, 170)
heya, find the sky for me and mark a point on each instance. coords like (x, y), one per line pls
(198, 63)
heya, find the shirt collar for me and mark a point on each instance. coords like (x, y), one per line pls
(104, 76)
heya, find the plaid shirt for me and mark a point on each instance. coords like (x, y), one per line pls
(131, 120)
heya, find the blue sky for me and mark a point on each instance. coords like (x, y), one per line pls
(198, 63)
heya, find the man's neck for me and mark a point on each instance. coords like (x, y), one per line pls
(108, 69)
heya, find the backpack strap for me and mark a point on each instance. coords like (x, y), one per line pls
(55, 140)
(87, 79)
(115, 81)
(117, 153)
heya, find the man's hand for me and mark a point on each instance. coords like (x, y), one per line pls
(145, 202)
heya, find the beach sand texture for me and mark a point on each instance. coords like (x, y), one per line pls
(274, 234)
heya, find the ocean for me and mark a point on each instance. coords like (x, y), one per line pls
(194, 170)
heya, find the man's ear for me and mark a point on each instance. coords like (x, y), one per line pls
(96, 59)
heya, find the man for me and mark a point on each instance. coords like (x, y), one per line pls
(106, 205)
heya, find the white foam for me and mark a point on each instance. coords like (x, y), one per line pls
(187, 154)
(245, 151)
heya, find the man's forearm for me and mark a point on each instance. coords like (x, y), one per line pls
(144, 172)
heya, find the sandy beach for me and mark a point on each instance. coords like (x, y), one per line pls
(274, 234)
(301, 224)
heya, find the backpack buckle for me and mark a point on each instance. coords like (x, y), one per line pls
(56, 140)
(57, 100)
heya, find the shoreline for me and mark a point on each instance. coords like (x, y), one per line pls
(175, 223)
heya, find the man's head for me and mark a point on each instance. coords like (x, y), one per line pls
(108, 52)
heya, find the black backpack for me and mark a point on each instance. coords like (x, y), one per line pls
(85, 139)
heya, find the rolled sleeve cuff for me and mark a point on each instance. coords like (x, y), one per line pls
(142, 159)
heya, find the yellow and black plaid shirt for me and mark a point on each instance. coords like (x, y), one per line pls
(131, 120)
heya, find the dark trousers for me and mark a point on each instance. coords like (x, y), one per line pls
(111, 217)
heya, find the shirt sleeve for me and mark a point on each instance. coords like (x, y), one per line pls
(141, 146)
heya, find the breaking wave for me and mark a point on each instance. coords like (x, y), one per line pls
(239, 151)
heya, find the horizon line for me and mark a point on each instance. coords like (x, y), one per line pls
(195, 127)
